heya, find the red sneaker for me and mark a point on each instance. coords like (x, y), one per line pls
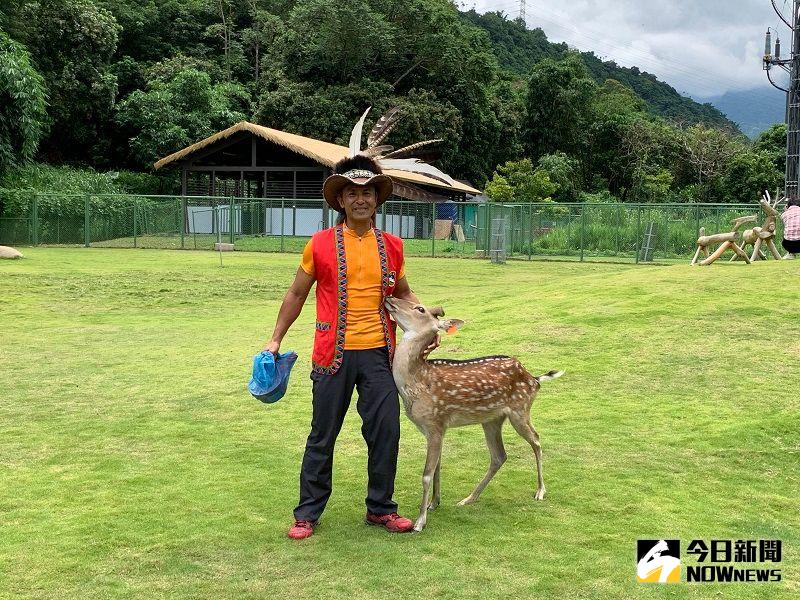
(393, 522)
(301, 529)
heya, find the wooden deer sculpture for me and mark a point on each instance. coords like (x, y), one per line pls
(438, 394)
(726, 241)
(764, 234)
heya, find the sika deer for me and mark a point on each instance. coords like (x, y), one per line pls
(438, 394)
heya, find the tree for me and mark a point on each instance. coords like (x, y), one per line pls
(499, 190)
(560, 95)
(507, 103)
(174, 114)
(749, 173)
(773, 141)
(168, 69)
(655, 184)
(22, 104)
(73, 42)
(706, 151)
(518, 181)
(563, 172)
(649, 148)
(325, 41)
(225, 29)
(261, 35)
(152, 30)
(614, 110)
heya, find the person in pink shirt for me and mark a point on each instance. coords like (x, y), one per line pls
(791, 228)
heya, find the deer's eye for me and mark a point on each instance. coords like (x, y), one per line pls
(421, 309)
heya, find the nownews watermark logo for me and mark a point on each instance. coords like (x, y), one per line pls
(658, 561)
(715, 561)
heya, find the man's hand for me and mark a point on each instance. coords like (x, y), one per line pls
(272, 346)
(431, 347)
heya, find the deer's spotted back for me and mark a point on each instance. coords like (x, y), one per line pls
(479, 385)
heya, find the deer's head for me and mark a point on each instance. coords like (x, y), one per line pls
(417, 320)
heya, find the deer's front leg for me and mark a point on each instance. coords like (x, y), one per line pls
(432, 459)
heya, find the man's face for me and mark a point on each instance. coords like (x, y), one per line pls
(358, 201)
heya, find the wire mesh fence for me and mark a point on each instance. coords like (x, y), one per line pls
(627, 232)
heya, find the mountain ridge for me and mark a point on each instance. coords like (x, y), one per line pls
(754, 110)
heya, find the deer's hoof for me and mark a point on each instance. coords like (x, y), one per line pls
(539, 494)
(419, 526)
(434, 504)
(465, 501)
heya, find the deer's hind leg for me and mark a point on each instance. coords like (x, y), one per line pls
(493, 430)
(434, 503)
(522, 424)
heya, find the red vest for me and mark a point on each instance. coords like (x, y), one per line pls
(330, 269)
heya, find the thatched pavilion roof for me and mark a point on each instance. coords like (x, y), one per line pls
(324, 153)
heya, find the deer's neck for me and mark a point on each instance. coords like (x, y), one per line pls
(409, 368)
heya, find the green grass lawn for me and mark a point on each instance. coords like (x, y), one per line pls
(133, 462)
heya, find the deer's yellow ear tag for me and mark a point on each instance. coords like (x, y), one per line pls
(452, 329)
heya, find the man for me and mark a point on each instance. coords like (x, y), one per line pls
(355, 266)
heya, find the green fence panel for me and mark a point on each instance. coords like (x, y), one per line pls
(533, 230)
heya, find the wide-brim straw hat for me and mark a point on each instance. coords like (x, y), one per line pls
(362, 177)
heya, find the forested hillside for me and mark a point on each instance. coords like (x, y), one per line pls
(519, 49)
(113, 85)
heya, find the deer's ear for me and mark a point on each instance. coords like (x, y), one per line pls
(437, 311)
(450, 325)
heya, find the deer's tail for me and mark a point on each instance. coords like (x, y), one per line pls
(549, 375)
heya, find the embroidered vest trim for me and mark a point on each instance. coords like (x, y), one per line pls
(387, 282)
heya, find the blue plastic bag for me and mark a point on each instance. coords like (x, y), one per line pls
(271, 375)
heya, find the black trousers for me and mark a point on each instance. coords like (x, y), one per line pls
(791, 246)
(379, 408)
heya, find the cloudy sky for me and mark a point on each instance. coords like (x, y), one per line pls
(700, 47)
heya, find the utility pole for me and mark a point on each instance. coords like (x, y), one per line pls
(792, 66)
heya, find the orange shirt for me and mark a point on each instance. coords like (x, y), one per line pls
(364, 329)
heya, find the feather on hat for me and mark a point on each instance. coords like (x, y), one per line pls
(366, 167)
